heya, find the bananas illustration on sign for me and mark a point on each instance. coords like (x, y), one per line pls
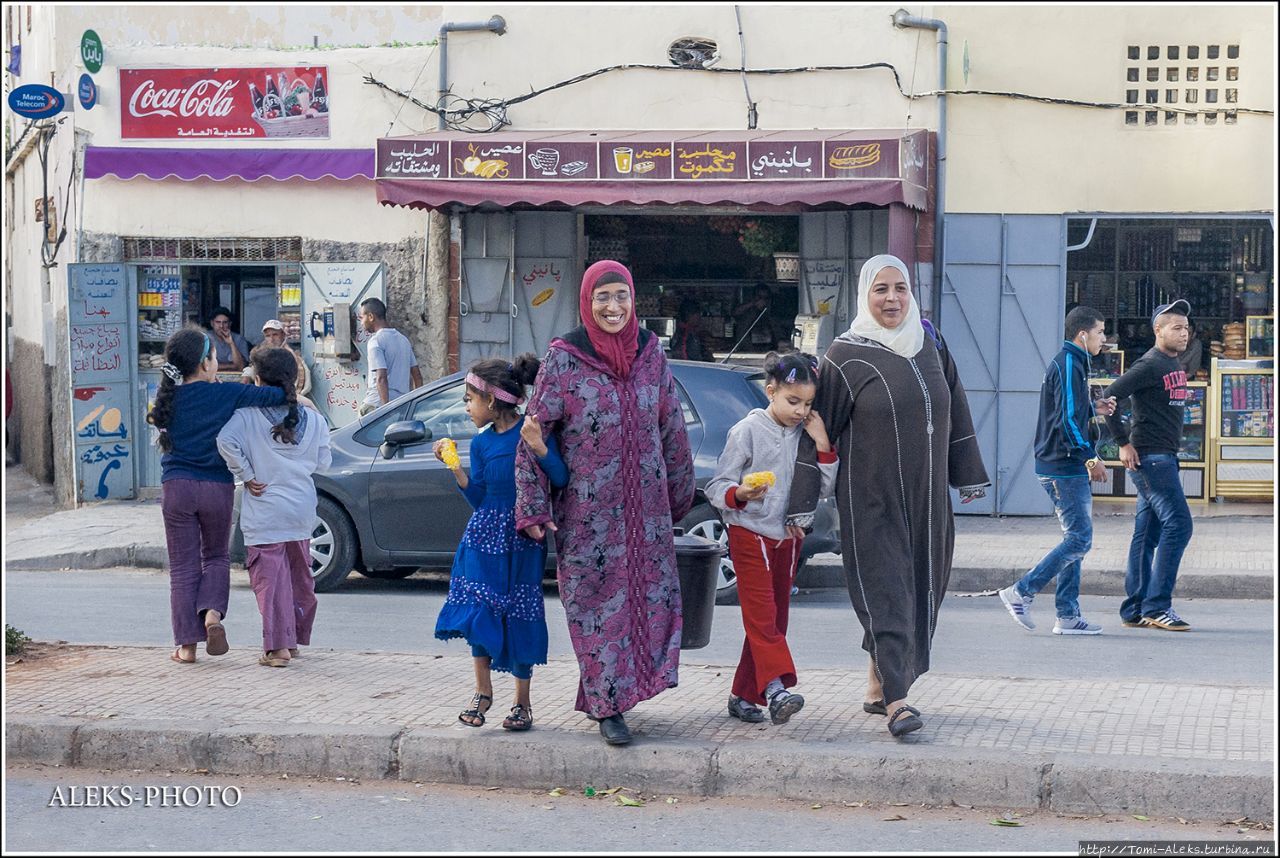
(854, 157)
(495, 168)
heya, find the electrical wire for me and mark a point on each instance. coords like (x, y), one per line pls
(752, 116)
(413, 85)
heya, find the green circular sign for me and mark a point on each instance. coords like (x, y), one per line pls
(91, 51)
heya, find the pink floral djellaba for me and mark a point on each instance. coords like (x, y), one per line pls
(630, 477)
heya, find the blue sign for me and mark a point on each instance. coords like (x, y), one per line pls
(36, 101)
(88, 92)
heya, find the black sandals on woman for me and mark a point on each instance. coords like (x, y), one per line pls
(900, 726)
(474, 717)
(874, 707)
(521, 718)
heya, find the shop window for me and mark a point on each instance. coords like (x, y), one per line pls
(1212, 52)
(1233, 52)
(1171, 96)
(1211, 73)
(1193, 52)
(1171, 52)
(693, 52)
(1153, 52)
(1153, 74)
(1170, 118)
(1171, 74)
(1133, 75)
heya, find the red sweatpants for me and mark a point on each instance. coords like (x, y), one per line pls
(764, 568)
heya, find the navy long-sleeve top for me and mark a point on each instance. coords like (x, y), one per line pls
(200, 410)
(493, 467)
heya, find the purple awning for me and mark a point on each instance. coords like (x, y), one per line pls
(249, 165)
(751, 168)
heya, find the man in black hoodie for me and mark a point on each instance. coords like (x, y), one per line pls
(1066, 461)
(1157, 384)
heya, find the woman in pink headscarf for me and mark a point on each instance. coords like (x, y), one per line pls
(605, 389)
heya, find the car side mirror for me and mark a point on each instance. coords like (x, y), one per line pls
(401, 434)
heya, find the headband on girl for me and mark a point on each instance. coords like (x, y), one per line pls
(496, 392)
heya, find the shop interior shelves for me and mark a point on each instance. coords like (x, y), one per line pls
(1243, 423)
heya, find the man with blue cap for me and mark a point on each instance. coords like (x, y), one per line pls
(1157, 385)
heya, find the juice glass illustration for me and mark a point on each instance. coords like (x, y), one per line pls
(622, 159)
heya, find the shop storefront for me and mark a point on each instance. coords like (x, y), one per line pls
(731, 237)
(1223, 266)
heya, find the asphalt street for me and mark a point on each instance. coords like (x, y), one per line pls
(299, 815)
(1232, 642)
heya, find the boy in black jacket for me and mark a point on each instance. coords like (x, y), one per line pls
(1065, 463)
(1157, 384)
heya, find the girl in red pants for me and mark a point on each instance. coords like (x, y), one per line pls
(764, 547)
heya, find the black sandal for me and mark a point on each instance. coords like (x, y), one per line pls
(521, 718)
(474, 713)
(899, 726)
(875, 707)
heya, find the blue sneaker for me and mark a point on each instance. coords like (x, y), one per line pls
(1075, 626)
(1018, 605)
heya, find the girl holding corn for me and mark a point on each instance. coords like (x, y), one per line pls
(752, 488)
(495, 589)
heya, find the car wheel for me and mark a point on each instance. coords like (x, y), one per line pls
(704, 521)
(333, 546)
(389, 574)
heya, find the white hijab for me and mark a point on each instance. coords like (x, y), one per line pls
(906, 339)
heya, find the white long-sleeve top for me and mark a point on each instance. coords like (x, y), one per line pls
(286, 511)
(759, 443)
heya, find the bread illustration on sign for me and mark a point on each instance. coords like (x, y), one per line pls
(854, 157)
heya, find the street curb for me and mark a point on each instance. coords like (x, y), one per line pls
(1093, 582)
(138, 555)
(879, 772)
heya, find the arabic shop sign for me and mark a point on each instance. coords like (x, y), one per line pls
(649, 157)
(91, 51)
(36, 101)
(221, 103)
(88, 92)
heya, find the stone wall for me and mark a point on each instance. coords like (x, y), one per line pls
(30, 431)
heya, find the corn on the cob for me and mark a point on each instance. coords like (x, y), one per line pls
(759, 478)
(449, 454)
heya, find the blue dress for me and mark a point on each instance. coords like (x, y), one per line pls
(495, 589)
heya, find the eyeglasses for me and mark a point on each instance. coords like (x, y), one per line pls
(602, 299)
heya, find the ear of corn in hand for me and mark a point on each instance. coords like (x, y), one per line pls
(759, 478)
(449, 454)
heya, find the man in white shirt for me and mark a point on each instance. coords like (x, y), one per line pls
(393, 368)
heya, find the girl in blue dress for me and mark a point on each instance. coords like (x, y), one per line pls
(495, 589)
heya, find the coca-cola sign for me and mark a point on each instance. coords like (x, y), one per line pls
(224, 103)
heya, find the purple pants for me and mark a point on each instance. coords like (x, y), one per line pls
(281, 577)
(197, 528)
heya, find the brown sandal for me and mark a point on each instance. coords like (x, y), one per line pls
(177, 656)
(521, 718)
(217, 642)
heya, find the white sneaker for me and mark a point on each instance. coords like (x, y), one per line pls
(1075, 626)
(1018, 606)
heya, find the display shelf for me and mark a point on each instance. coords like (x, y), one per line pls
(1242, 420)
(1260, 337)
(1193, 461)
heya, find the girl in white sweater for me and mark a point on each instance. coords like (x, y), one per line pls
(274, 451)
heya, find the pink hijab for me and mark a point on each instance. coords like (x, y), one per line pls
(617, 350)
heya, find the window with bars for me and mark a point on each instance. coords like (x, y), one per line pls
(1180, 64)
(213, 249)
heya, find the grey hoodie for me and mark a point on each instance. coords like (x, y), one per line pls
(759, 443)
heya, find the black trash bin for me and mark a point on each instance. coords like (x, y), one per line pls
(698, 560)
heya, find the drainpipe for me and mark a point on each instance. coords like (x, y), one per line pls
(903, 19)
(496, 24)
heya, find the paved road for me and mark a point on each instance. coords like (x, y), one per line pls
(1232, 643)
(322, 816)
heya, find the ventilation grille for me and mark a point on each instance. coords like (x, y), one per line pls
(1197, 78)
(214, 249)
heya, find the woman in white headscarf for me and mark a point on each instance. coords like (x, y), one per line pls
(894, 406)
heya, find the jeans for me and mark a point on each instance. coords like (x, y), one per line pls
(1161, 530)
(1073, 504)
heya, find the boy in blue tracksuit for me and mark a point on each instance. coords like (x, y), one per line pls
(1066, 461)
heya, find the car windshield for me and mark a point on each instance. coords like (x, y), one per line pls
(444, 413)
